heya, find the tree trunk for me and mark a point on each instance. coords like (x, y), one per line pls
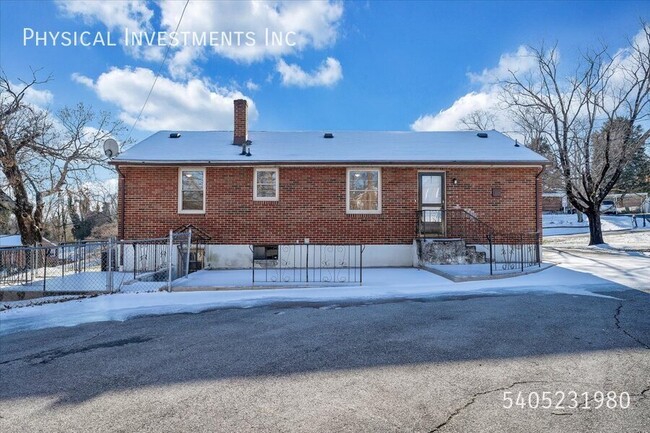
(595, 229)
(30, 233)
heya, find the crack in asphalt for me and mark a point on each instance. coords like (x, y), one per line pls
(473, 398)
(618, 325)
(50, 355)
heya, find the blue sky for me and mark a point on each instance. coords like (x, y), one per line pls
(354, 65)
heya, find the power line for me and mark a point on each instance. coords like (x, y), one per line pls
(162, 64)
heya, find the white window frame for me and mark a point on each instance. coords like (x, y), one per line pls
(347, 191)
(180, 190)
(277, 184)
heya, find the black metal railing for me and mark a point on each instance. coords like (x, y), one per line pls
(308, 263)
(513, 252)
(452, 223)
(505, 252)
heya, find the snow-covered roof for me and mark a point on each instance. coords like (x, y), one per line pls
(10, 241)
(307, 147)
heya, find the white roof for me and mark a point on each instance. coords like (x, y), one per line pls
(10, 241)
(384, 147)
(7, 241)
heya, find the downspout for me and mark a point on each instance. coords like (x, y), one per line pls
(538, 224)
(122, 195)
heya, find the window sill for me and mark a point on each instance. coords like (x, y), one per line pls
(377, 212)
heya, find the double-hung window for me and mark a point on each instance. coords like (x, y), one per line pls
(363, 195)
(191, 190)
(266, 184)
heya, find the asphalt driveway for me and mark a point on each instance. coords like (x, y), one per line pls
(443, 365)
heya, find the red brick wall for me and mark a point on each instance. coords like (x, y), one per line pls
(312, 204)
(552, 204)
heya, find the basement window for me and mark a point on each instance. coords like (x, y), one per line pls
(265, 252)
(363, 195)
(266, 184)
(191, 190)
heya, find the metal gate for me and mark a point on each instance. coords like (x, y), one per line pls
(308, 263)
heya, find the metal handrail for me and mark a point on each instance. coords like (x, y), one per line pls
(505, 250)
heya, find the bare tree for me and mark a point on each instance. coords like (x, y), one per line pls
(590, 117)
(41, 153)
(480, 120)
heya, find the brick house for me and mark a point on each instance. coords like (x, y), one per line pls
(384, 190)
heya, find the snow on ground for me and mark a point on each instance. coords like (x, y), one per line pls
(580, 271)
(481, 271)
(564, 224)
(634, 240)
(379, 284)
(630, 269)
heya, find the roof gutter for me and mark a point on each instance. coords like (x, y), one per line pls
(325, 162)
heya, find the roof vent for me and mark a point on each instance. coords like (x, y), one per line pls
(328, 135)
(174, 135)
(245, 149)
(482, 135)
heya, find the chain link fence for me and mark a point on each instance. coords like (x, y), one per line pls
(95, 267)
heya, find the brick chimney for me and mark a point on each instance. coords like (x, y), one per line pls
(241, 122)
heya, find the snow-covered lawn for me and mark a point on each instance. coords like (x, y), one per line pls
(564, 224)
(631, 269)
(634, 240)
(379, 284)
(619, 232)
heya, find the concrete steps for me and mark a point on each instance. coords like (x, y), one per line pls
(448, 252)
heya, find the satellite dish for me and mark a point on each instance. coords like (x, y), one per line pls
(111, 148)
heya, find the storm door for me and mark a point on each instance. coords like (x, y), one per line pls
(432, 203)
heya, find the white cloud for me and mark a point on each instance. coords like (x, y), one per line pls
(624, 61)
(37, 98)
(622, 69)
(327, 74)
(314, 24)
(449, 119)
(487, 99)
(518, 62)
(81, 79)
(115, 15)
(252, 86)
(40, 98)
(193, 104)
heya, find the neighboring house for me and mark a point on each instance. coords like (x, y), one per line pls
(557, 201)
(630, 202)
(380, 189)
(9, 241)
